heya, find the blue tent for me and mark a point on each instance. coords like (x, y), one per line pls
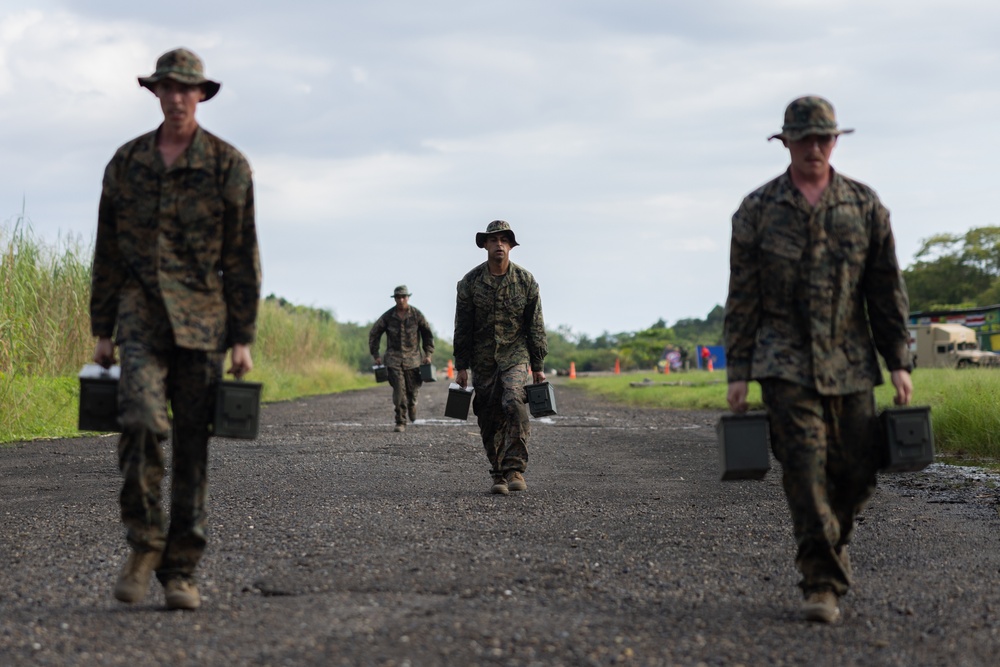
(718, 356)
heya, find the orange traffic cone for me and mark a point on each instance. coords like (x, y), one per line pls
(666, 368)
(618, 366)
(451, 370)
(710, 366)
(572, 370)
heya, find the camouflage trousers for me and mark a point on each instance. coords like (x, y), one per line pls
(499, 404)
(828, 449)
(405, 385)
(185, 378)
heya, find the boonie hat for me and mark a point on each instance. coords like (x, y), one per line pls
(401, 291)
(183, 66)
(808, 115)
(496, 227)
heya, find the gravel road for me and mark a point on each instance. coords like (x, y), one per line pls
(335, 541)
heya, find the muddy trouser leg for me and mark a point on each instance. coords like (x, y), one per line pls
(503, 419)
(853, 466)
(142, 402)
(398, 383)
(490, 417)
(514, 454)
(193, 378)
(413, 384)
(828, 453)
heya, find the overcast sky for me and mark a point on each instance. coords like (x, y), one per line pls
(616, 136)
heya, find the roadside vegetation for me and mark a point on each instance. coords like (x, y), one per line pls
(45, 340)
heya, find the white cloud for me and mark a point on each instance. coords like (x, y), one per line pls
(618, 138)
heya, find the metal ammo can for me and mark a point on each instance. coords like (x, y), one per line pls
(237, 409)
(908, 440)
(427, 373)
(99, 399)
(458, 403)
(744, 445)
(541, 399)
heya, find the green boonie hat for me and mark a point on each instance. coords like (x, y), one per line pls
(808, 115)
(493, 228)
(182, 66)
(401, 291)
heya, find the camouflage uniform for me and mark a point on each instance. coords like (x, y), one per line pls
(813, 291)
(176, 280)
(403, 336)
(499, 334)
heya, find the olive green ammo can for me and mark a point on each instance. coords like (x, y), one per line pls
(99, 404)
(458, 403)
(237, 409)
(427, 373)
(908, 440)
(744, 446)
(541, 399)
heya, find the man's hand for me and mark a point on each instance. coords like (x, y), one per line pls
(426, 359)
(538, 376)
(904, 387)
(737, 397)
(104, 353)
(462, 378)
(378, 360)
(242, 363)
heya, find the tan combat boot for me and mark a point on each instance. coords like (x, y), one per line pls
(515, 481)
(181, 594)
(499, 485)
(133, 581)
(821, 606)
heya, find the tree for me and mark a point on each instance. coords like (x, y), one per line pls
(954, 270)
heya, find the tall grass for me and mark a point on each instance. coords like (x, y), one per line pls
(44, 329)
(44, 326)
(45, 339)
(299, 352)
(964, 403)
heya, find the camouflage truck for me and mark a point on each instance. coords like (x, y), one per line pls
(948, 346)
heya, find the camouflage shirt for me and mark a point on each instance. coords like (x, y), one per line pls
(498, 322)
(176, 260)
(811, 287)
(402, 347)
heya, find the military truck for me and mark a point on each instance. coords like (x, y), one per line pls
(948, 346)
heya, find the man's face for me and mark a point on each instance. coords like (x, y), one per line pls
(811, 154)
(178, 102)
(497, 246)
(402, 302)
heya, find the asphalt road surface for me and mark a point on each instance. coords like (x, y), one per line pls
(335, 541)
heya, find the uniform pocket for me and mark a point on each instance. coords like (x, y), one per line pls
(780, 277)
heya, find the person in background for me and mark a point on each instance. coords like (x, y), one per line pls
(405, 328)
(500, 336)
(175, 283)
(814, 290)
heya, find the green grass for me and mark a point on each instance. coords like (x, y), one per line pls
(45, 339)
(964, 410)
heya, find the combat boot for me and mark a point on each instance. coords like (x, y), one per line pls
(821, 606)
(133, 581)
(181, 594)
(400, 428)
(413, 413)
(515, 481)
(499, 485)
